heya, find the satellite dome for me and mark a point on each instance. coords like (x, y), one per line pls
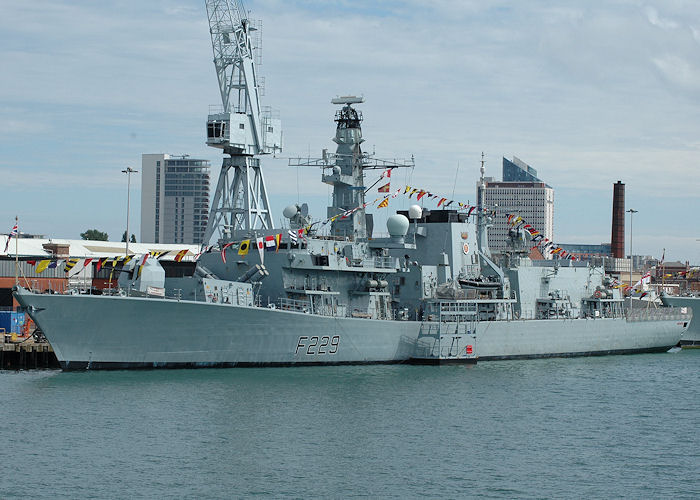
(415, 212)
(397, 225)
(290, 211)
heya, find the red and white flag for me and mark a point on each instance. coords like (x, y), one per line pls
(261, 248)
(223, 251)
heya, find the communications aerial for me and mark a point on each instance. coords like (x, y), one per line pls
(240, 126)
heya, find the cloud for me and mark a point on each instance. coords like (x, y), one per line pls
(678, 71)
(16, 126)
(696, 33)
(28, 179)
(587, 93)
(654, 18)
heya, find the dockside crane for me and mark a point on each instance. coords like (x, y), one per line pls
(240, 126)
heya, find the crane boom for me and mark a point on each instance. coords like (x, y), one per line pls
(242, 128)
(233, 59)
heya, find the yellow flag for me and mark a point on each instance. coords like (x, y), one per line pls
(384, 203)
(70, 264)
(43, 264)
(243, 249)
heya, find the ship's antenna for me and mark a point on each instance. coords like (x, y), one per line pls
(454, 186)
(482, 184)
(482, 170)
(481, 234)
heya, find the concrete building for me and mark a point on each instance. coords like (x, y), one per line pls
(174, 199)
(523, 193)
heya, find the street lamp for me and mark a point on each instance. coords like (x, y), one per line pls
(631, 211)
(128, 171)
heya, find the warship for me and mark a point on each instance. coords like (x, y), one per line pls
(329, 291)
(429, 292)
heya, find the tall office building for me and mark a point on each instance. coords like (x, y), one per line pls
(174, 199)
(521, 192)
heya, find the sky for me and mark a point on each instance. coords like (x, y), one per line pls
(588, 93)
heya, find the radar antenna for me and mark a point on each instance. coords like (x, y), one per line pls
(241, 127)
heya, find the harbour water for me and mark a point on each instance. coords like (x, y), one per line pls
(614, 426)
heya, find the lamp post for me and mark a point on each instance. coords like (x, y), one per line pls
(631, 211)
(128, 171)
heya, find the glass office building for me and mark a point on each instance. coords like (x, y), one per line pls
(517, 170)
(174, 198)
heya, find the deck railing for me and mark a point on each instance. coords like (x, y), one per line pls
(660, 314)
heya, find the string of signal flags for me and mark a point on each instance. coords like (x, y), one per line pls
(540, 242)
(515, 221)
(75, 265)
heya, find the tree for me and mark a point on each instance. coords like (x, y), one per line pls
(94, 235)
(131, 240)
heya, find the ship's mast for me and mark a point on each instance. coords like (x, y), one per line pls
(241, 127)
(345, 171)
(348, 187)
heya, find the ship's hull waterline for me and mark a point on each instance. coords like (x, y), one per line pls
(97, 332)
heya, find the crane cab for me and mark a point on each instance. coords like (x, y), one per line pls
(235, 130)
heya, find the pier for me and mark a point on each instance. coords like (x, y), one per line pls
(26, 354)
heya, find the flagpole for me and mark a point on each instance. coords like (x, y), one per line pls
(128, 171)
(17, 252)
(663, 270)
(631, 211)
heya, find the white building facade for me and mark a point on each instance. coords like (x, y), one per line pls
(533, 200)
(174, 198)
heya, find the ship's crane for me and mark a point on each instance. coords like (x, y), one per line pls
(241, 127)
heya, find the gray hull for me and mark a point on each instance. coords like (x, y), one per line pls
(691, 337)
(94, 332)
(579, 337)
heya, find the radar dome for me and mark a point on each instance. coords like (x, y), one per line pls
(415, 212)
(397, 225)
(290, 211)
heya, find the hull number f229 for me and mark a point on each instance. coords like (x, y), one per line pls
(312, 346)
